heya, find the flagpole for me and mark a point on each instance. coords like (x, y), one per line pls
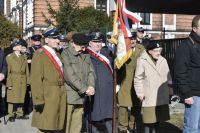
(121, 32)
(114, 102)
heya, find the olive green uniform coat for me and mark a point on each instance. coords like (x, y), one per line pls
(17, 78)
(78, 73)
(47, 88)
(125, 76)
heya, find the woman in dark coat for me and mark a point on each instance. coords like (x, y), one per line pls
(101, 104)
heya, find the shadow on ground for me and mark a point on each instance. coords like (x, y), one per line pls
(167, 127)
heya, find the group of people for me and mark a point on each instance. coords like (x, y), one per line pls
(72, 81)
(63, 75)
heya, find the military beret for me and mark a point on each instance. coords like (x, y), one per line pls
(51, 32)
(140, 29)
(62, 38)
(15, 43)
(96, 36)
(153, 45)
(80, 39)
(36, 37)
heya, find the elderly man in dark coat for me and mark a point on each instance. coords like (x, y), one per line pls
(101, 104)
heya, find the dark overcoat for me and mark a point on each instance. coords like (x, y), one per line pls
(102, 101)
(3, 66)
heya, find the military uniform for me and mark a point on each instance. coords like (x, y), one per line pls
(17, 80)
(79, 74)
(126, 95)
(47, 86)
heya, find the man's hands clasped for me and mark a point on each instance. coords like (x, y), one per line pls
(90, 91)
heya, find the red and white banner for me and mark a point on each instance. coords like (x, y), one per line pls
(124, 32)
(54, 59)
(101, 57)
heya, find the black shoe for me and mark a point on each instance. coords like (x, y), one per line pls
(22, 117)
(11, 119)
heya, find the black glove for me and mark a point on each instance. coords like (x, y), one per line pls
(39, 108)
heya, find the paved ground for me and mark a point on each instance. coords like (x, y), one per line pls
(19, 126)
(24, 126)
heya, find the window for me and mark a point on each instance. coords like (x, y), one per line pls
(101, 5)
(145, 18)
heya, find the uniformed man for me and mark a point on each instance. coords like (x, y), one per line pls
(100, 108)
(126, 95)
(80, 80)
(47, 86)
(17, 80)
(36, 44)
(28, 107)
(140, 37)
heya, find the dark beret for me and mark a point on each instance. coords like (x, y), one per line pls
(36, 37)
(96, 36)
(80, 39)
(51, 32)
(153, 45)
(140, 29)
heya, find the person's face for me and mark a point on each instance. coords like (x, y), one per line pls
(95, 45)
(155, 53)
(197, 29)
(52, 42)
(36, 42)
(18, 48)
(140, 35)
(78, 48)
(133, 42)
(23, 49)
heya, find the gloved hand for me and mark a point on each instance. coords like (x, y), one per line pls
(39, 108)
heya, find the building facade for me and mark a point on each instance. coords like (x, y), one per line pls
(158, 26)
(33, 22)
(165, 26)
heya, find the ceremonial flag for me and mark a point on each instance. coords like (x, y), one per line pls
(121, 32)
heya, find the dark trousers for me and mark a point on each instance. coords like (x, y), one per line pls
(100, 126)
(151, 128)
(28, 104)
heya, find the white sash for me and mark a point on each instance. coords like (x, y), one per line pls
(54, 55)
